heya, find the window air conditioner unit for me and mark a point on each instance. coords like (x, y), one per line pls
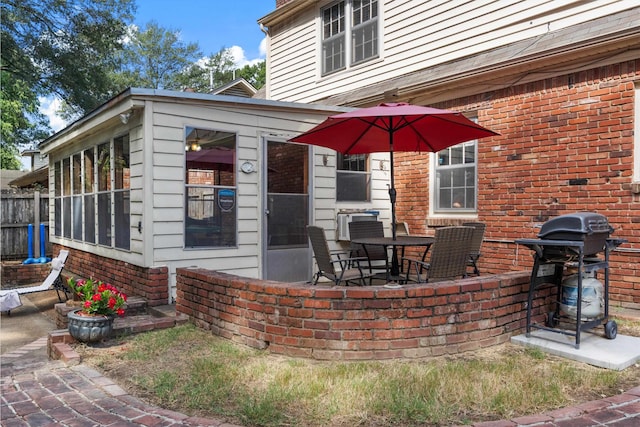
(345, 218)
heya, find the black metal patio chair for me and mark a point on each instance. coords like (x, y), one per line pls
(335, 266)
(376, 256)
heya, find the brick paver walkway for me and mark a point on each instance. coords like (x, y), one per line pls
(40, 392)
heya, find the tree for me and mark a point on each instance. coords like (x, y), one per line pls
(207, 73)
(255, 74)
(61, 48)
(9, 158)
(21, 124)
(219, 69)
(155, 58)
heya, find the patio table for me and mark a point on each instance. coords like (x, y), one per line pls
(393, 271)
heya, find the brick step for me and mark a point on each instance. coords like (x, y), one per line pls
(136, 307)
(159, 317)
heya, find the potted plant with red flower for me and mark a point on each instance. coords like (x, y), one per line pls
(101, 303)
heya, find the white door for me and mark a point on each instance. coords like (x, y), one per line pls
(286, 189)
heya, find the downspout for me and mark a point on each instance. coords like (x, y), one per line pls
(267, 90)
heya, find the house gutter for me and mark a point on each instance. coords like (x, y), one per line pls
(285, 11)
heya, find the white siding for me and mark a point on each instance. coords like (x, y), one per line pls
(167, 187)
(416, 35)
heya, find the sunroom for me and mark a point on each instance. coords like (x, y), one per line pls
(157, 180)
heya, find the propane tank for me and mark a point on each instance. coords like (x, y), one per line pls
(592, 297)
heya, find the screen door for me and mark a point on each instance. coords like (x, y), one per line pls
(288, 256)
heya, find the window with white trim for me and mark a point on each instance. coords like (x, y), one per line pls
(353, 20)
(211, 192)
(121, 192)
(104, 195)
(456, 179)
(353, 178)
(636, 136)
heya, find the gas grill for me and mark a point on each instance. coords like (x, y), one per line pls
(578, 242)
(591, 229)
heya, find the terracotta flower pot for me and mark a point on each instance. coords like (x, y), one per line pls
(88, 328)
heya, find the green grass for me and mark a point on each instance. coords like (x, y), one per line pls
(191, 371)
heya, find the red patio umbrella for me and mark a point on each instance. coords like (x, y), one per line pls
(393, 127)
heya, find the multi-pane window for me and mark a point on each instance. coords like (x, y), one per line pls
(89, 196)
(66, 197)
(104, 194)
(636, 134)
(364, 33)
(355, 20)
(210, 206)
(76, 161)
(333, 36)
(353, 178)
(121, 192)
(456, 178)
(89, 186)
(57, 204)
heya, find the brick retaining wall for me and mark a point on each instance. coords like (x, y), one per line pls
(14, 273)
(358, 323)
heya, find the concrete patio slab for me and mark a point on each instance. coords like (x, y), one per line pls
(595, 349)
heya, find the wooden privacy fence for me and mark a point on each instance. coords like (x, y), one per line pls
(18, 210)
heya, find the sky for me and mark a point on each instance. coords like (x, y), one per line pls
(213, 24)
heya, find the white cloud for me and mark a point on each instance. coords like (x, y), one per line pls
(49, 107)
(263, 48)
(132, 29)
(239, 57)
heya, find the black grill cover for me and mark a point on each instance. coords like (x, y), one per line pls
(591, 228)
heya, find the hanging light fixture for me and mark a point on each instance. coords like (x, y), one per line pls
(195, 145)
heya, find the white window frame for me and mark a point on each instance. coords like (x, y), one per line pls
(209, 197)
(434, 190)
(636, 135)
(347, 36)
(366, 174)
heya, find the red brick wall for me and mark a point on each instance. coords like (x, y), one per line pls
(565, 145)
(151, 284)
(358, 323)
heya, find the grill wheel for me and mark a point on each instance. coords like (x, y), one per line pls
(611, 329)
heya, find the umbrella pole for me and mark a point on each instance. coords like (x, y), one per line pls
(395, 267)
(392, 195)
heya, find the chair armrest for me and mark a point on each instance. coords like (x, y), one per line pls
(410, 260)
(349, 262)
(420, 266)
(338, 253)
